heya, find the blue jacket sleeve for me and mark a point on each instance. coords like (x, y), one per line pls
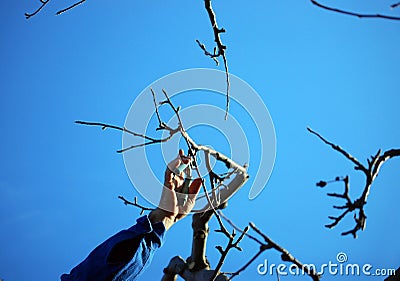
(121, 257)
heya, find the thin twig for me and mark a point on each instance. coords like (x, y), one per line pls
(359, 166)
(215, 179)
(150, 140)
(228, 220)
(105, 126)
(247, 264)
(136, 204)
(219, 50)
(175, 109)
(44, 3)
(222, 229)
(285, 255)
(70, 7)
(393, 6)
(161, 125)
(224, 252)
(355, 14)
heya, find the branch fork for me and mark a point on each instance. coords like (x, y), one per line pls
(370, 172)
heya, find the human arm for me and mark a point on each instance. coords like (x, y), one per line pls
(125, 255)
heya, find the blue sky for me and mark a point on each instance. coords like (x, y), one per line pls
(59, 182)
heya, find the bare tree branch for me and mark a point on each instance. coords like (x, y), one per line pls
(136, 204)
(371, 172)
(285, 255)
(150, 140)
(349, 206)
(44, 3)
(356, 14)
(123, 129)
(229, 163)
(359, 166)
(267, 245)
(247, 264)
(224, 252)
(192, 145)
(393, 6)
(219, 50)
(239, 229)
(198, 249)
(161, 124)
(70, 7)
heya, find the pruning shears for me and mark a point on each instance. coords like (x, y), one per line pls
(182, 198)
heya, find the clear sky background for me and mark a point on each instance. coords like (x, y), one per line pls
(59, 182)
